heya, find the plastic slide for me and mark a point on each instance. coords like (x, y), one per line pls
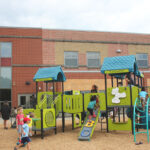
(88, 127)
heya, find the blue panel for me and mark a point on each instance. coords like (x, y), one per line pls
(119, 63)
(56, 73)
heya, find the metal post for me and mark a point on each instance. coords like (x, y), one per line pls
(55, 120)
(112, 81)
(62, 87)
(134, 79)
(63, 118)
(117, 82)
(53, 91)
(118, 114)
(82, 114)
(141, 82)
(36, 100)
(42, 132)
(131, 107)
(114, 114)
(46, 86)
(138, 82)
(105, 76)
(123, 115)
(72, 122)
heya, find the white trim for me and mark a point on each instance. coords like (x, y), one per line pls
(81, 71)
(147, 71)
(92, 71)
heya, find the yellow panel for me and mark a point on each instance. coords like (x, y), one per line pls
(44, 79)
(116, 71)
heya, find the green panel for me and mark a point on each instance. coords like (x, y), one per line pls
(40, 98)
(101, 97)
(44, 79)
(123, 101)
(74, 117)
(27, 111)
(127, 126)
(134, 93)
(72, 103)
(102, 101)
(58, 104)
(117, 71)
(37, 113)
(49, 118)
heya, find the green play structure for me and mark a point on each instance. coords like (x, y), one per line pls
(50, 105)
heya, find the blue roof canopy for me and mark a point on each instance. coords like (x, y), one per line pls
(50, 74)
(120, 63)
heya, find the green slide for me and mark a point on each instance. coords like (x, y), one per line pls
(88, 127)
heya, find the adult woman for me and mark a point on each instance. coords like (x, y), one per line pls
(5, 111)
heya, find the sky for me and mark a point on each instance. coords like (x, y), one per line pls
(132, 16)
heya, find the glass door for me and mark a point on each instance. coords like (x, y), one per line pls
(25, 100)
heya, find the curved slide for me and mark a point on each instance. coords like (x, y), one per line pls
(88, 127)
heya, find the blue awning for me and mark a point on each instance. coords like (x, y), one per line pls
(50, 74)
(120, 63)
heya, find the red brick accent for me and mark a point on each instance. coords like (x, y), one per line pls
(21, 31)
(5, 61)
(96, 36)
(48, 52)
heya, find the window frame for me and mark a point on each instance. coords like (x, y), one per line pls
(88, 59)
(68, 66)
(10, 56)
(142, 59)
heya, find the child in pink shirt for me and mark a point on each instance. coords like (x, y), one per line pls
(19, 121)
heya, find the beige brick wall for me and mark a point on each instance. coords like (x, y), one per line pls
(148, 82)
(133, 49)
(86, 84)
(81, 48)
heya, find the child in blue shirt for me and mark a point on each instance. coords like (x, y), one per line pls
(143, 96)
(93, 102)
(25, 134)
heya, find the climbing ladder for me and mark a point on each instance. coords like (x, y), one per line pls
(140, 113)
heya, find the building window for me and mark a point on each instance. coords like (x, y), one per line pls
(5, 49)
(142, 60)
(5, 78)
(71, 59)
(93, 59)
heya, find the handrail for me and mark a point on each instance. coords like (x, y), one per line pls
(136, 105)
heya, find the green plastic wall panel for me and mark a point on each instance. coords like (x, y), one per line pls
(49, 118)
(120, 126)
(123, 101)
(27, 111)
(102, 101)
(135, 93)
(74, 117)
(101, 97)
(72, 103)
(58, 104)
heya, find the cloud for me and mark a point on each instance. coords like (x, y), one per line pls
(98, 15)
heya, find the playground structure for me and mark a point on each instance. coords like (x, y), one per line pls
(50, 104)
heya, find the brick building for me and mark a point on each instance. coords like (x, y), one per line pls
(80, 53)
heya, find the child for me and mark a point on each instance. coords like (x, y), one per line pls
(19, 121)
(31, 115)
(143, 96)
(93, 102)
(25, 134)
